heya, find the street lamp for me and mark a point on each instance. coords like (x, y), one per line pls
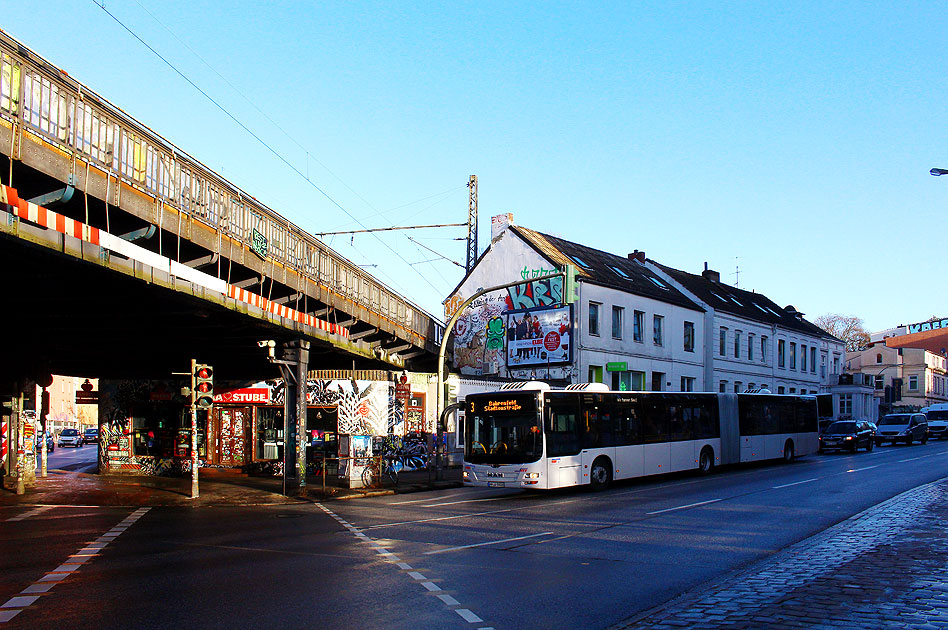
(939, 171)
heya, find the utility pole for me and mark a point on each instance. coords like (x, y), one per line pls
(195, 492)
(20, 446)
(471, 225)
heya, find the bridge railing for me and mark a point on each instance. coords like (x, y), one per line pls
(52, 105)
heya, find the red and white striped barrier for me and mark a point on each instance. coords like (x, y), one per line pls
(3, 446)
(55, 221)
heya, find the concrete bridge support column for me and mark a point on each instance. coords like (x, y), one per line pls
(294, 365)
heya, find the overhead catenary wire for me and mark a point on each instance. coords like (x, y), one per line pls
(263, 143)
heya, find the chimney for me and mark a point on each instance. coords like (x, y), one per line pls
(499, 223)
(711, 275)
(637, 255)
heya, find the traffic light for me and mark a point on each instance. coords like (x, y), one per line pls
(203, 393)
(44, 405)
(570, 288)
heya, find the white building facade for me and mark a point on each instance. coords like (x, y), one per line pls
(755, 344)
(629, 328)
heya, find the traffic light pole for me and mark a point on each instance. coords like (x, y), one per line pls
(195, 492)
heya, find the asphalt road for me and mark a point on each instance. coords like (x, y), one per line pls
(80, 459)
(462, 558)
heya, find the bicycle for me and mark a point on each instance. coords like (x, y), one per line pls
(378, 468)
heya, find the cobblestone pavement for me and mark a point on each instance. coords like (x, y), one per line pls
(884, 568)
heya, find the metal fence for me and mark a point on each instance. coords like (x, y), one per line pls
(48, 103)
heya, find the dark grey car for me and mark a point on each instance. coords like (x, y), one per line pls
(902, 427)
(847, 435)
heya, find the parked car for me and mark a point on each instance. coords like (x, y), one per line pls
(50, 443)
(902, 427)
(850, 435)
(937, 420)
(70, 437)
(90, 436)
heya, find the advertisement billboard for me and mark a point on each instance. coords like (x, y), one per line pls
(539, 337)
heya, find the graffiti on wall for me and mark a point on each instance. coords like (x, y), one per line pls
(363, 406)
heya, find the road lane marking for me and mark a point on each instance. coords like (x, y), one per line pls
(446, 496)
(683, 507)
(795, 483)
(430, 587)
(862, 469)
(31, 513)
(465, 501)
(484, 544)
(27, 597)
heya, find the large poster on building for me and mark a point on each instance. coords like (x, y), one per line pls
(539, 337)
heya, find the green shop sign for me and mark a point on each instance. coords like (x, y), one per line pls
(617, 367)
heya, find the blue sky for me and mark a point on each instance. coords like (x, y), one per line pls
(792, 142)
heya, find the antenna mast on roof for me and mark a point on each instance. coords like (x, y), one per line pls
(471, 225)
(737, 272)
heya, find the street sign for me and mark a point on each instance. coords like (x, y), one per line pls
(402, 391)
(87, 398)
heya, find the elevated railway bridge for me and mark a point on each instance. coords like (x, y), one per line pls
(123, 257)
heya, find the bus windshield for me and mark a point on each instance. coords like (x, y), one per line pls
(502, 429)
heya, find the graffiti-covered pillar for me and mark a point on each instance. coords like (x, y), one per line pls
(294, 365)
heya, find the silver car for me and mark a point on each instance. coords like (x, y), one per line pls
(70, 437)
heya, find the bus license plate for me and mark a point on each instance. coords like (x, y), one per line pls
(495, 484)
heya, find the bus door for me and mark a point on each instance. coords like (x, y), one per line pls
(565, 463)
(597, 434)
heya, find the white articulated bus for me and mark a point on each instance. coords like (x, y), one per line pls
(529, 436)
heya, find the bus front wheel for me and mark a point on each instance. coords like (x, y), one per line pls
(706, 461)
(788, 451)
(600, 474)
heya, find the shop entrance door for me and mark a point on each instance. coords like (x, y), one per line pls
(232, 436)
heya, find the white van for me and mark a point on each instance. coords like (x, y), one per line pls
(937, 420)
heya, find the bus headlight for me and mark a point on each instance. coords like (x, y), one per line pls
(465, 475)
(533, 475)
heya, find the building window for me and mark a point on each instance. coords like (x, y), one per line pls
(764, 386)
(737, 344)
(687, 384)
(781, 389)
(802, 358)
(617, 317)
(812, 360)
(781, 353)
(793, 355)
(836, 363)
(879, 382)
(737, 387)
(913, 383)
(763, 348)
(621, 381)
(594, 318)
(689, 341)
(722, 343)
(750, 387)
(657, 322)
(658, 381)
(879, 358)
(793, 390)
(722, 387)
(845, 404)
(595, 374)
(750, 346)
(638, 326)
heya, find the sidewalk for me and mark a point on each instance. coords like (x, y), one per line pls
(62, 487)
(884, 568)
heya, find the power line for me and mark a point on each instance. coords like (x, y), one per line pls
(257, 138)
